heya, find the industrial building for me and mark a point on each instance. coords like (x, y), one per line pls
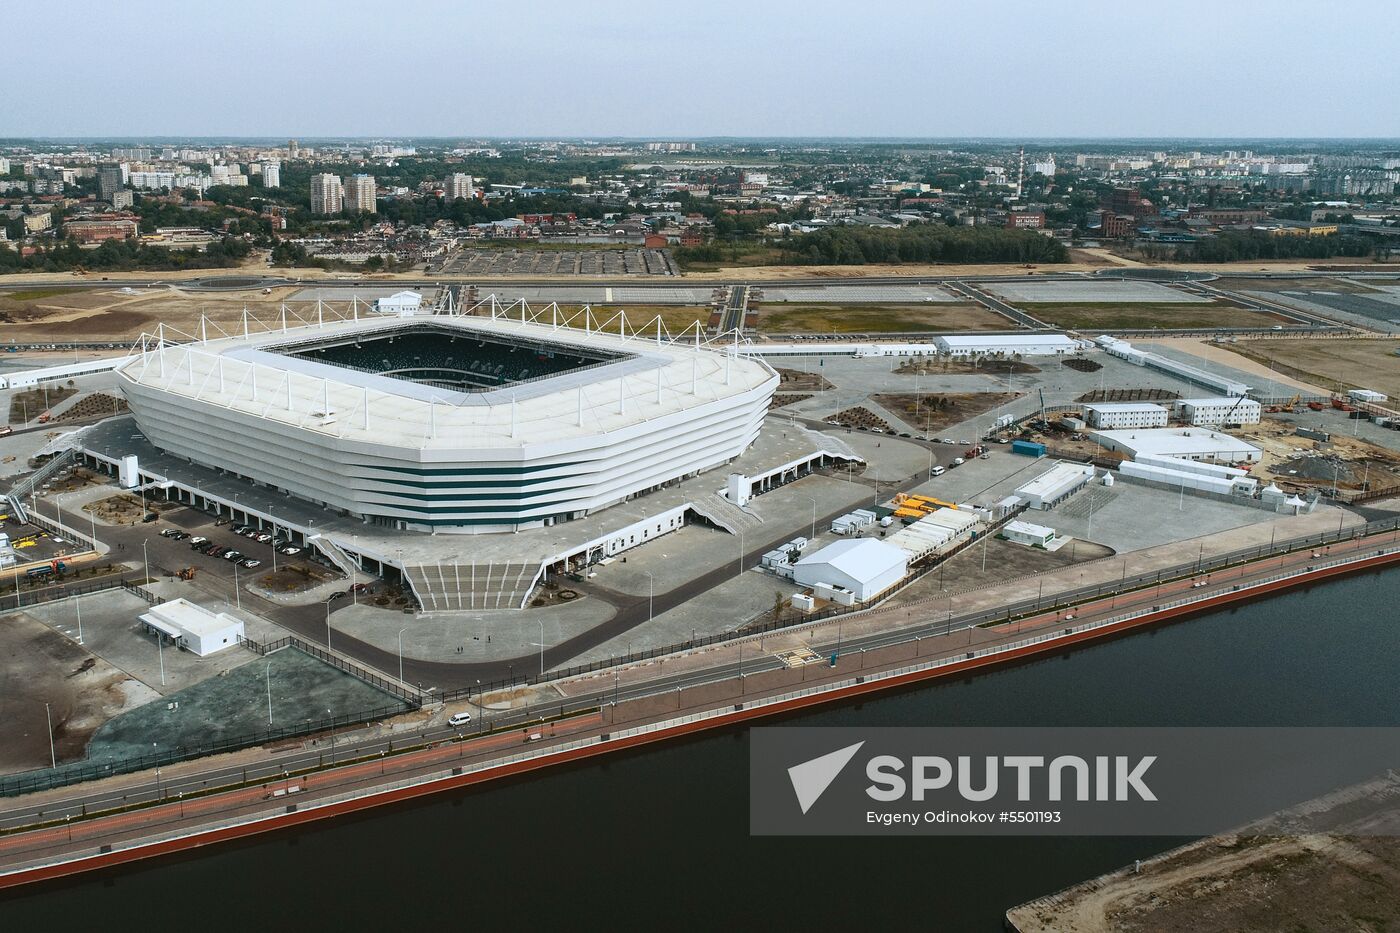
(1183, 443)
(863, 568)
(1055, 485)
(193, 627)
(1208, 412)
(1125, 415)
(1008, 345)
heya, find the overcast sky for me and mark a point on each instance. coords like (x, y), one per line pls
(305, 68)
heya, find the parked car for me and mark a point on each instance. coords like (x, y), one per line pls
(149, 517)
(180, 535)
(957, 461)
(338, 594)
(250, 562)
(169, 532)
(220, 522)
(232, 554)
(197, 540)
(290, 549)
(262, 538)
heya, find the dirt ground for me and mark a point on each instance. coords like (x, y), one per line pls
(1294, 461)
(109, 314)
(1335, 363)
(1116, 316)
(33, 402)
(82, 691)
(1231, 884)
(931, 412)
(873, 319)
(1003, 561)
(125, 509)
(293, 578)
(793, 380)
(942, 364)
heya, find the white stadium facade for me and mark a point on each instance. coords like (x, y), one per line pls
(470, 457)
(450, 423)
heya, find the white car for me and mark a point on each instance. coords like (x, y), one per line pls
(459, 719)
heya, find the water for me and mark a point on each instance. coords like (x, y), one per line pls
(658, 838)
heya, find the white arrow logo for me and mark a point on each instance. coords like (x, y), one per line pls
(811, 778)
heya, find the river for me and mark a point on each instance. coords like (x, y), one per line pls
(658, 838)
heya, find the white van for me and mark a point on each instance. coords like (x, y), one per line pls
(937, 471)
(459, 719)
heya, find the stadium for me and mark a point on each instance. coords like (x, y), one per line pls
(448, 423)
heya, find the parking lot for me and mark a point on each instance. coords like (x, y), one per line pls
(486, 261)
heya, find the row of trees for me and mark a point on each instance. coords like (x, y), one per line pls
(1235, 247)
(922, 243)
(124, 255)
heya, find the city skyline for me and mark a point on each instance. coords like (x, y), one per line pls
(781, 71)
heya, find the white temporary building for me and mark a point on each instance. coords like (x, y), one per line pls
(1027, 533)
(404, 304)
(1186, 443)
(1125, 415)
(864, 566)
(1219, 410)
(1238, 486)
(1008, 344)
(1055, 484)
(193, 627)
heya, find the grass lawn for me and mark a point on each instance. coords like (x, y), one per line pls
(872, 319)
(1368, 364)
(1165, 314)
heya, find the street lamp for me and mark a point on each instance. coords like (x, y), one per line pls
(269, 693)
(273, 543)
(813, 500)
(541, 622)
(328, 626)
(145, 560)
(401, 631)
(651, 595)
(53, 757)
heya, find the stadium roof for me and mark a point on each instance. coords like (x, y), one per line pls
(651, 379)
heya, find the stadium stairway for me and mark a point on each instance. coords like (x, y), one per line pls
(465, 587)
(720, 511)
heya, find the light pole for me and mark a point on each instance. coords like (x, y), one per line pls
(78, 605)
(53, 757)
(813, 500)
(651, 597)
(741, 557)
(328, 627)
(269, 693)
(237, 588)
(541, 622)
(146, 560)
(160, 652)
(274, 545)
(401, 631)
(332, 718)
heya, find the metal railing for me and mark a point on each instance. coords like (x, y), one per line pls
(28, 782)
(413, 697)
